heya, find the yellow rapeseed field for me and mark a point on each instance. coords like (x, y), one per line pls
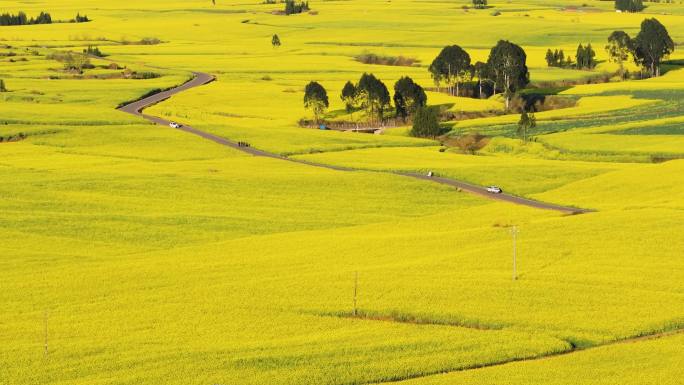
(134, 253)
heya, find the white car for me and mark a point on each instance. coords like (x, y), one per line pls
(494, 190)
(174, 125)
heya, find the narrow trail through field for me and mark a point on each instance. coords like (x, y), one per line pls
(201, 78)
(571, 350)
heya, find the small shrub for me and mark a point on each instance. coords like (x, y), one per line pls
(93, 51)
(144, 75)
(371, 58)
(80, 19)
(149, 41)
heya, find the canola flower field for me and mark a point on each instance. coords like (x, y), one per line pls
(138, 254)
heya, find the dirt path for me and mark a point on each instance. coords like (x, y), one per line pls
(571, 350)
(201, 78)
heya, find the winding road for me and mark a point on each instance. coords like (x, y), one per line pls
(201, 78)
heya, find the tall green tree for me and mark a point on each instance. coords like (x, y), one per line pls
(652, 45)
(316, 99)
(590, 57)
(452, 65)
(408, 97)
(426, 123)
(580, 56)
(508, 64)
(349, 96)
(619, 48)
(480, 72)
(629, 5)
(374, 96)
(527, 122)
(551, 59)
(3, 87)
(586, 57)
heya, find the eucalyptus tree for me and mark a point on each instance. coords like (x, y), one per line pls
(527, 122)
(374, 96)
(452, 66)
(652, 45)
(349, 96)
(480, 72)
(619, 49)
(508, 65)
(316, 99)
(408, 97)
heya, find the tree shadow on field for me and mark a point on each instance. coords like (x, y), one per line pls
(671, 65)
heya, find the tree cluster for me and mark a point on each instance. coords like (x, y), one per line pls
(372, 95)
(505, 70)
(479, 4)
(557, 58)
(452, 66)
(73, 61)
(42, 18)
(81, 18)
(585, 57)
(629, 5)
(93, 51)
(21, 19)
(648, 49)
(292, 7)
(76, 62)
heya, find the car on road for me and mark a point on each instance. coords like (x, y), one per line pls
(494, 190)
(174, 125)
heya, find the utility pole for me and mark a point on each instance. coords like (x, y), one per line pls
(356, 286)
(514, 233)
(46, 333)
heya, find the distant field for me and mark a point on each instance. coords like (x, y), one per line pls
(158, 257)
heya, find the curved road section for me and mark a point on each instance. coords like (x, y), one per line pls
(200, 78)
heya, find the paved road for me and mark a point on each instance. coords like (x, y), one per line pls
(201, 78)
